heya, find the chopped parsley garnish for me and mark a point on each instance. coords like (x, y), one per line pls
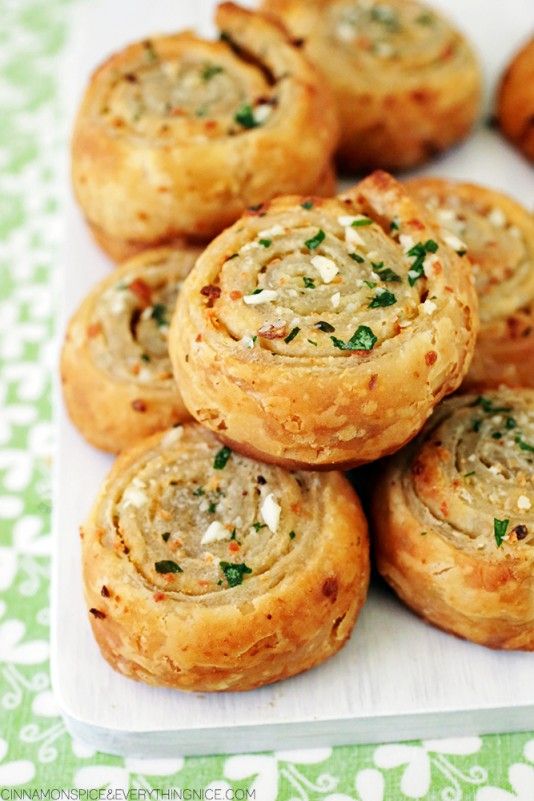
(385, 273)
(322, 325)
(419, 252)
(145, 357)
(292, 334)
(308, 204)
(361, 222)
(257, 291)
(245, 116)
(257, 525)
(472, 473)
(499, 529)
(168, 566)
(233, 536)
(498, 435)
(221, 458)
(266, 243)
(210, 70)
(292, 535)
(385, 298)
(234, 573)
(212, 507)
(357, 257)
(199, 491)
(476, 423)
(316, 240)
(362, 339)
(312, 342)
(525, 446)
(510, 423)
(165, 536)
(159, 314)
(394, 225)
(425, 19)
(488, 407)
(386, 16)
(309, 283)
(370, 284)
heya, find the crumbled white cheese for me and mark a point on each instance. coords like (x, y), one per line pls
(144, 376)
(171, 436)
(262, 112)
(455, 243)
(203, 505)
(247, 341)
(276, 230)
(326, 267)
(515, 231)
(497, 218)
(345, 31)
(495, 469)
(352, 237)
(346, 219)
(429, 263)
(405, 323)
(270, 512)
(117, 301)
(250, 246)
(523, 503)
(135, 496)
(263, 296)
(429, 307)
(446, 216)
(214, 533)
(335, 299)
(406, 241)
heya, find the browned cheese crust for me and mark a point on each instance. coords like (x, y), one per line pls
(176, 135)
(515, 102)
(498, 234)
(205, 570)
(116, 373)
(322, 333)
(407, 83)
(454, 521)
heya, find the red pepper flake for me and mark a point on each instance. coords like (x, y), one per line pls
(159, 596)
(373, 381)
(276, 330)
(142, 290)
(431, 357)
(211, 292)
(416, 224)
(198, 338)
(233, 546)
(104, 592)
(444, 509)
(210, 125)
(93, 330)
(138, 405)
(235, 294)
(97, 613)
(330, 588)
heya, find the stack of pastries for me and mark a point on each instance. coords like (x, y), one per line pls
(262, 335)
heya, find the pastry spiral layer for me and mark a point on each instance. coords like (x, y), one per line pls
(498, 234)
(176, 136)
(323, 332)
(116, 372)
(407, 83)
(454, 520)
(515, 103)
(205, 570)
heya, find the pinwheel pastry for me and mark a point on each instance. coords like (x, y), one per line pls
(498, 235)
(515, 103)
(205, 570)
(454, 519)
(407, 83)
(322, 332)
(176, 136)
(115, 367)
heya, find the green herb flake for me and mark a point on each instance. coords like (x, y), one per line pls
(385, 273)
(210, 71)
(425, 19)
(322, 325)
(292, 535)
(510, 423)
(488, 407)
(385, 298)
(362, 339)
(234, 573)
(394, 225)
(496, 435)
(309, 283)
(145, 357)
(357, 257)
(165, 537)
(245, 116)
(468, 475)
(361, 222)
(525, 446)
(499, 529)
(316, 240)
(292, 334)
(257, 525)
(198, 492)
(159, 314)
(212, 507)
(308, 204)
(266, 243)
(475, 424)
(370, 284)
(167, 566)
(312, 342)
(221, 458)
(418, 252)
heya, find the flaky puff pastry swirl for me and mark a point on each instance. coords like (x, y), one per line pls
(454, 519)
(407, 83)
(205, 570)
(116, 372)
(176, 135)
(515, 101)
(498, 235)
(319, 333)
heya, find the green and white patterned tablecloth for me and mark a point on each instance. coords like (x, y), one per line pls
(35, 750)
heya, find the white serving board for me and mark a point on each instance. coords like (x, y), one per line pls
(397, 678)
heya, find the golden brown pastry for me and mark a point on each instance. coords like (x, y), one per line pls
(407, 83)
(176, 136)
(321, 333)
(205, 570)
(515, 102)
(454, 520)
(498, 234)
(115, 368)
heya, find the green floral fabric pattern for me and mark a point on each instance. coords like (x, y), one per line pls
(35, 749)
